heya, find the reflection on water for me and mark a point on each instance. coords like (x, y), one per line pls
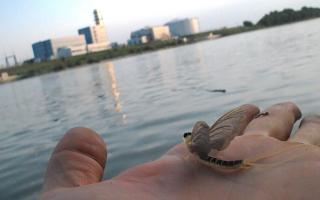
(141, 105)
(114, 89)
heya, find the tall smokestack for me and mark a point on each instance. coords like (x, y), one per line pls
(98, 17)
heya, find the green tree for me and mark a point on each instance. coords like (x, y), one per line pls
(288, 15)
(248, 24)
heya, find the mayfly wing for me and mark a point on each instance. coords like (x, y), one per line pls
(200, 139)
(199, 128)
(226, 128)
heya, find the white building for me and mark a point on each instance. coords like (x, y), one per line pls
(184, 27)
(149, 34)
(96, 47)
(96, 36)
(76, 45)
(160, 33)
(4, 77)
(65, 52)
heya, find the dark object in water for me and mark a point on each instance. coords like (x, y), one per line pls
(219, 90)
(201, 89)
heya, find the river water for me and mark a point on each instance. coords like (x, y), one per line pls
(142, 104)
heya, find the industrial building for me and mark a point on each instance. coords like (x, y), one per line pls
(96, 36)
(160, 33)
(90, 39)
(183, 27)
(57, 47)
(149, 34)
(140, 36)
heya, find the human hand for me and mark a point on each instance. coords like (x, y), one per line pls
(76, 166)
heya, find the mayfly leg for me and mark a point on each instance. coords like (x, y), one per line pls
(261, 115)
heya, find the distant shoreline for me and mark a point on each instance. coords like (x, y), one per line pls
(28, 70)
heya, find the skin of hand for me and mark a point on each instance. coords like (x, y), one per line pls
(76, 167)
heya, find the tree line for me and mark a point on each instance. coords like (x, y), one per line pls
(288, 16)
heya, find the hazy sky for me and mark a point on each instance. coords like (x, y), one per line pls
(24, 22)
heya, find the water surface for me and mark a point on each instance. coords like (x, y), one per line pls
(141, 105)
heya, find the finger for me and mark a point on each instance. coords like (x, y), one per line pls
(278, 123)
(78, 159)
(309, 131)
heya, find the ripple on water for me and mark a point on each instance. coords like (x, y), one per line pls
(162, 94)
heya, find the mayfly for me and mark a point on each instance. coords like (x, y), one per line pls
(203, 140)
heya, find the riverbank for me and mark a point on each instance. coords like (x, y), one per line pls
(27, 70)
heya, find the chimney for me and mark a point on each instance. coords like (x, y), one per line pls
(98, 17)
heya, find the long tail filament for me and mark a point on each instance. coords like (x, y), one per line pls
(248, 163)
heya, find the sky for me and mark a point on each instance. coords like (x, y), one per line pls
(23, 22)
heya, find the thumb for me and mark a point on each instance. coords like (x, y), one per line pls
(78, 159)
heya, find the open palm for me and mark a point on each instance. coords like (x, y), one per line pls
(77, 164)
